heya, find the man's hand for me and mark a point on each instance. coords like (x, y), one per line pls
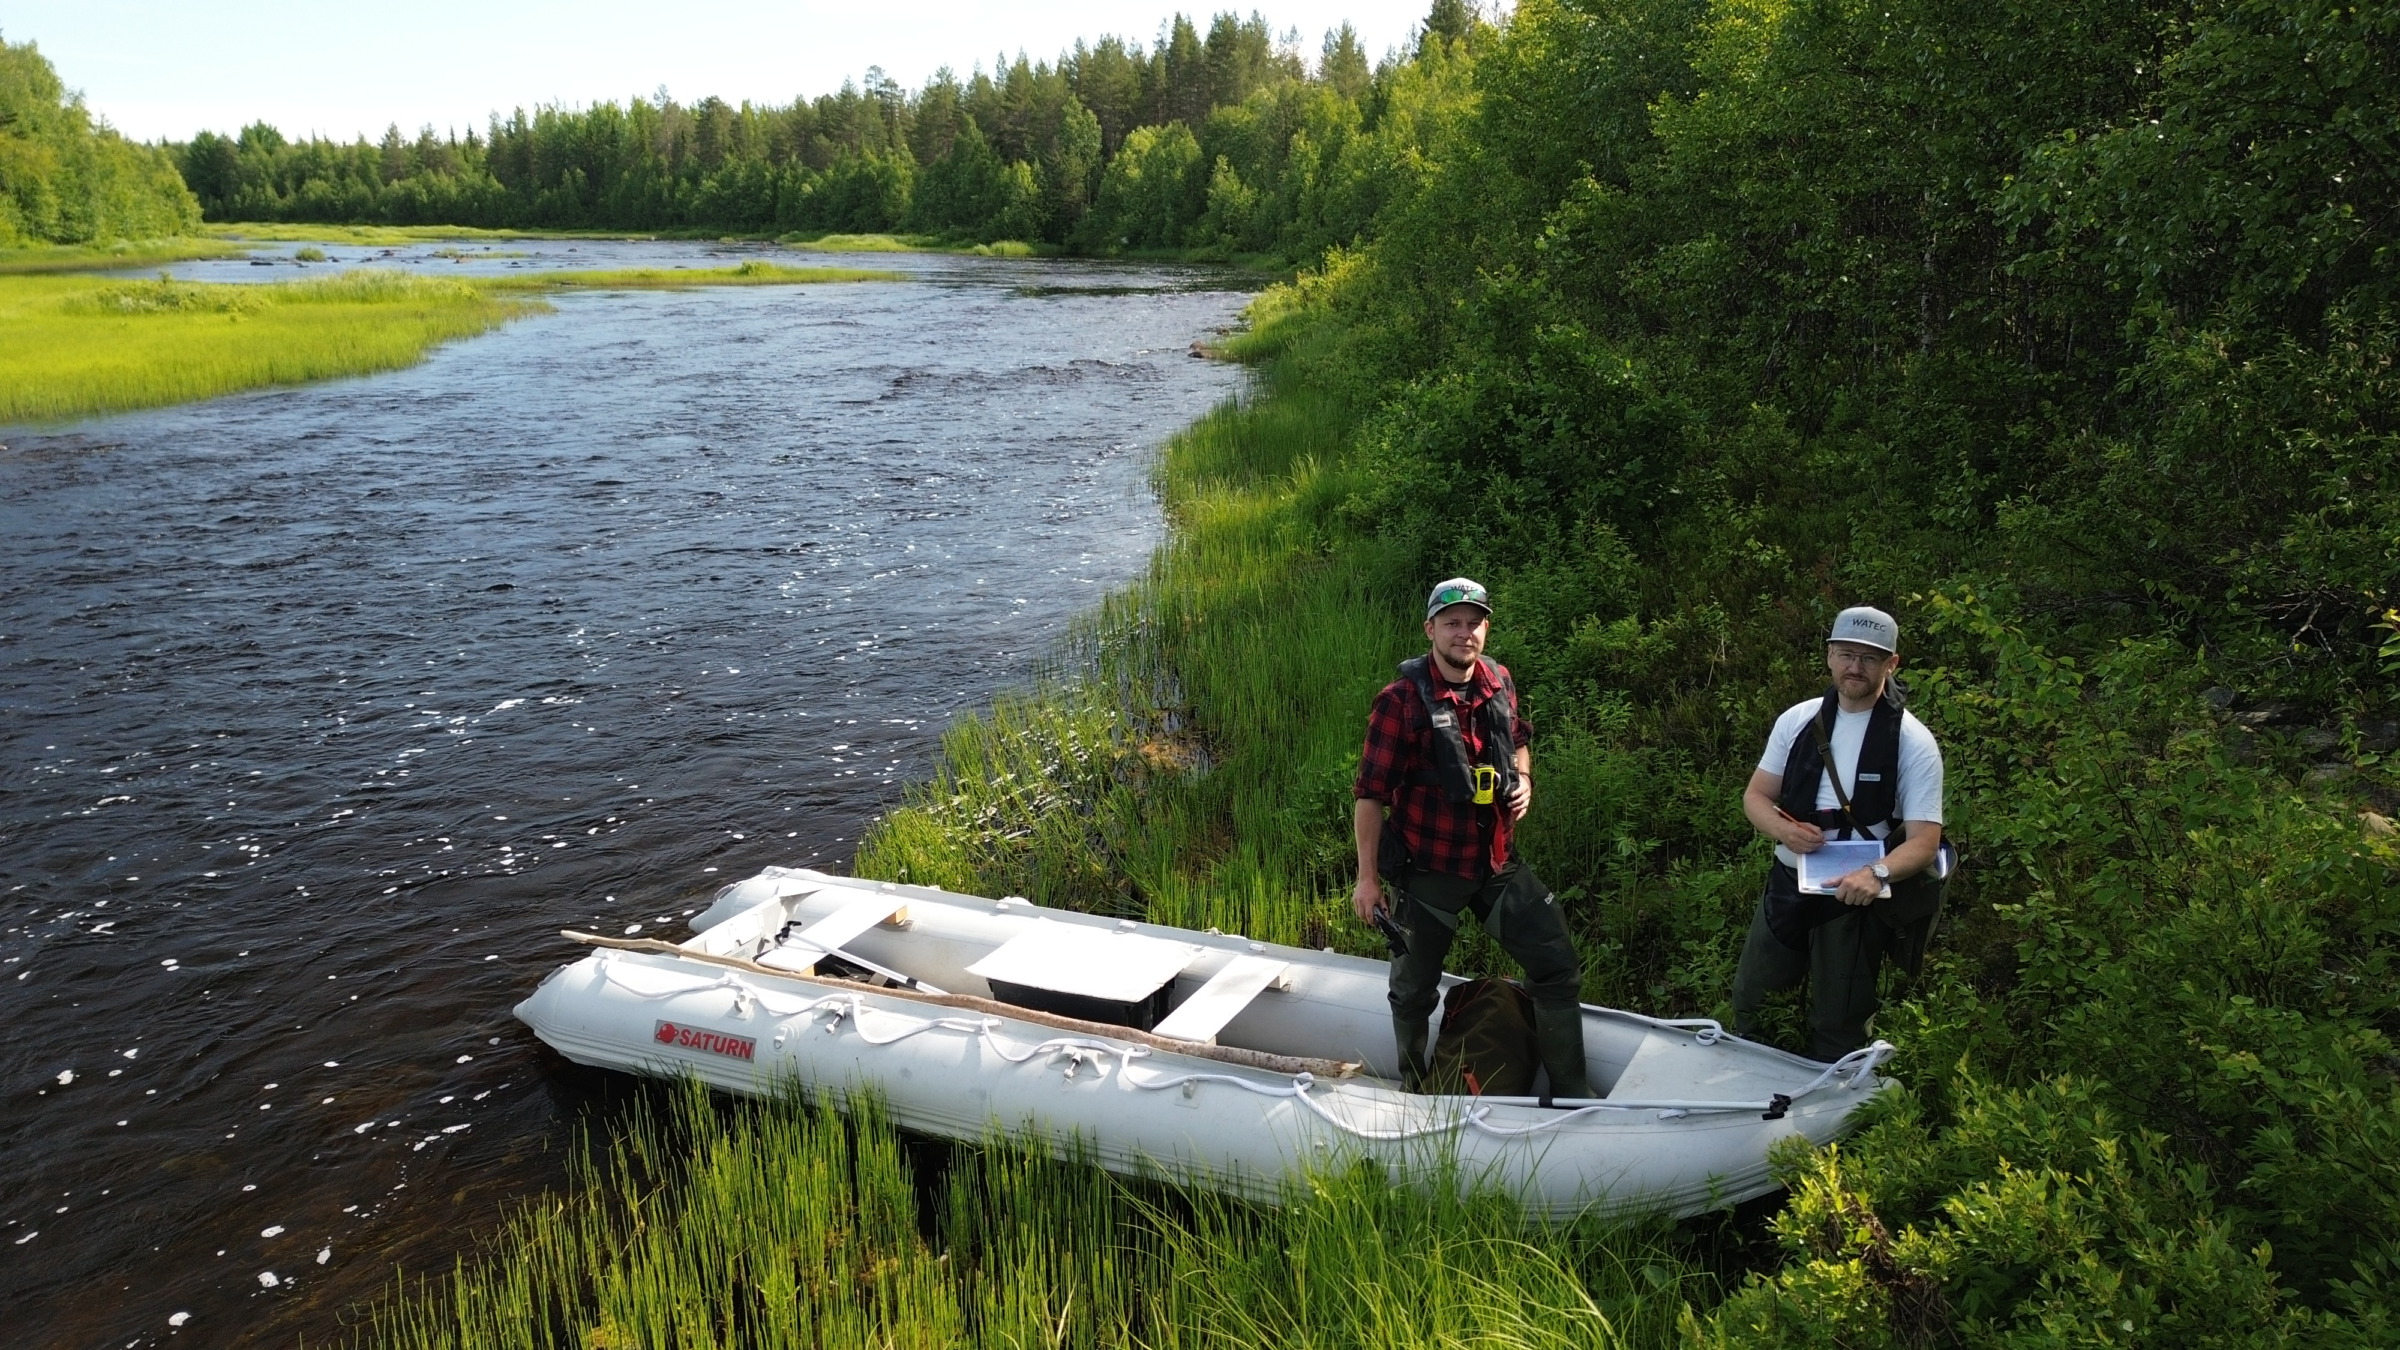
(1861, 887)
(1366, 898)
(1520, 797)
(1799, 836)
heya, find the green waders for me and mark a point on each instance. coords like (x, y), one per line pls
(1523, 917)
(1839, 964)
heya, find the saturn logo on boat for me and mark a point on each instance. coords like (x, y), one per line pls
(706, 1041)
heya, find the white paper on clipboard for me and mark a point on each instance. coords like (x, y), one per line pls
(1822, 871)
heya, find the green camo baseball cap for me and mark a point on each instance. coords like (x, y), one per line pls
(1457, 591)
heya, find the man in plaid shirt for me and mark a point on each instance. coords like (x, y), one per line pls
(1447, 756)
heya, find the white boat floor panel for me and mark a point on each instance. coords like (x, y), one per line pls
(1118, 965)
(1227, 993)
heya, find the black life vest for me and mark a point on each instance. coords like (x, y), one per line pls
(1875, 797)
(1451, 761)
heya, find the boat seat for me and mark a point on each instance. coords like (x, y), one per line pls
(1219, 1001)
(800, 952)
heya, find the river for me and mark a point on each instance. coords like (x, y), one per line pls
(326, 708)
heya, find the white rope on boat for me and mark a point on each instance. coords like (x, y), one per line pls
(1847, 1071)
(1705, 1030)
(1079, 1051)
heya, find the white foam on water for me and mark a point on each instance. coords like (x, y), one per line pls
(271, 1230)
(324, 1254)
(268, 1279)
(178, 1319)
(65, 1076)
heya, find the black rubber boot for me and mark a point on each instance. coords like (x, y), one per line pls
(1558, 1032)
(1409, 1034)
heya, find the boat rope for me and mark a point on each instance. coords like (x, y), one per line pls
(1078, 1051)
(1847, 1071)
(1705, 1030)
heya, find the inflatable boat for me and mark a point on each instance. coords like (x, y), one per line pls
(1206, 1059)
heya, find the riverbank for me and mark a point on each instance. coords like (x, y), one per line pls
(1224, 687)
(80, 346)
(1187, 759)
(387, 236)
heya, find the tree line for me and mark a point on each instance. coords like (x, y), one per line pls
(1228, 140)
(66, 178)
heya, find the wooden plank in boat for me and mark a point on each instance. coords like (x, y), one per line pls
(1217, 1002)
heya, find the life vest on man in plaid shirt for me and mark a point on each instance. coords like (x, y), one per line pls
(1423, 739)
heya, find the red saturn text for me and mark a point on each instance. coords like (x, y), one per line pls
(706, 1041)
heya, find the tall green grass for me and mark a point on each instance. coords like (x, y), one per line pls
(1188, 758)
(752, 273)
(34, 258)
(386, 235)
(779, 1223)
(77, 346)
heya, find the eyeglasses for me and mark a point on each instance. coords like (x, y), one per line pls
(1859, 658)
(1454, 595)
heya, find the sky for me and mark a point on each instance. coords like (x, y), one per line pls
(163, 71)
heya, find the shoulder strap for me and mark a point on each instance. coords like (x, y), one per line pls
(1816, 728)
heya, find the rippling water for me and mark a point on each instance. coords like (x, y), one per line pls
(324, 709)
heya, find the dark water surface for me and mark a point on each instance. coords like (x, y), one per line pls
(324, 709)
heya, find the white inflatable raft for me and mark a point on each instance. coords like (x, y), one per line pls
(1269, 1061)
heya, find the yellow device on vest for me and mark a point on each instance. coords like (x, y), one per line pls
(1487, 782)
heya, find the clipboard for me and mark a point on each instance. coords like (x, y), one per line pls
(1821, 872)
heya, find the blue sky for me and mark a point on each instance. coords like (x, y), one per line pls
(166, 70)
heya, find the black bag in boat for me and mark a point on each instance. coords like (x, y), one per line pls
(1487, 1046)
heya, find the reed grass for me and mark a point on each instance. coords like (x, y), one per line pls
(271, 232)
(752, 273)
(780, 1223)
(75, 346)
(863, 243)
(1188, 758)
(123, 253)
(79, 346)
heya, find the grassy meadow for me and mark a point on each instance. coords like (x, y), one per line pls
(77, 346)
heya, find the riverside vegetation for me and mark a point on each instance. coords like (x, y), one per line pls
(77, 346)
(2068, 332)
(75, 196)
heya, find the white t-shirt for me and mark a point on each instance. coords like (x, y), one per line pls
(1920, 794)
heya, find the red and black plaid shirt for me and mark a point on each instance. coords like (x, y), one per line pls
(1457, 838)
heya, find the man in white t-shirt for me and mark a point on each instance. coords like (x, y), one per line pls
(1852, 764)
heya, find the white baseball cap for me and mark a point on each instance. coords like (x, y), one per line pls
(1866, 626)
